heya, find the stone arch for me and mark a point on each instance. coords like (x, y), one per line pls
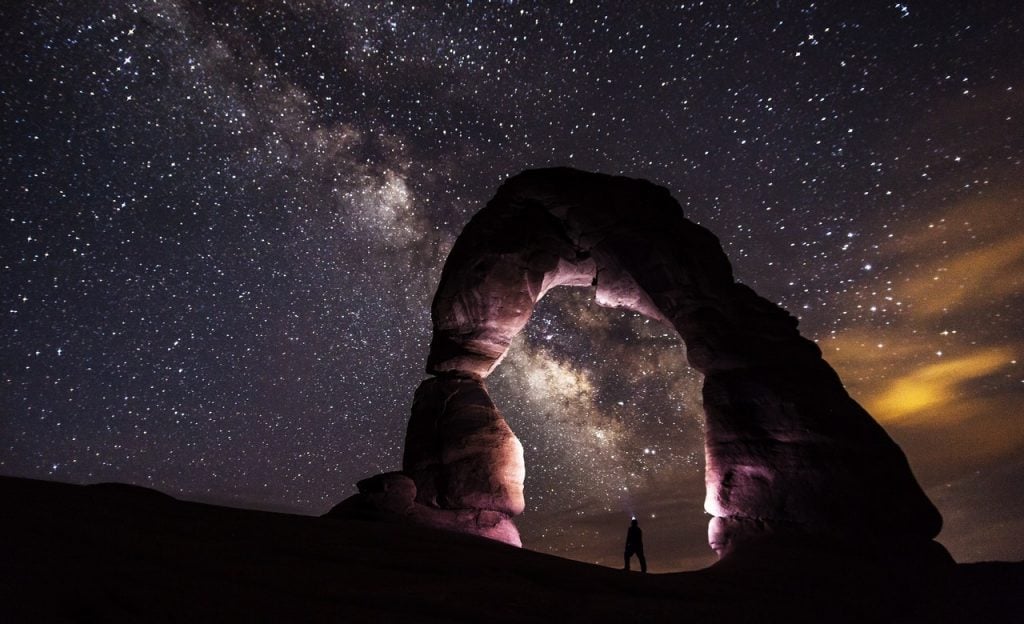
(787, 450)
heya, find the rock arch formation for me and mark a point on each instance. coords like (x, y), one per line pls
(787, 450)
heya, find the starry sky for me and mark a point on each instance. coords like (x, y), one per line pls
(222, 225)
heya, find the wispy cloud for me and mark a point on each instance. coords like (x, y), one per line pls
(947, 352)
(933, 387)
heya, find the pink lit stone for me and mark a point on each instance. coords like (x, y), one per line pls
(787, 449)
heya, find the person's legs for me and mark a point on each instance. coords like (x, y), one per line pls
(627, 555)
(643, 560)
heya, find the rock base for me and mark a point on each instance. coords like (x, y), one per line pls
(741, 540)
(391, 497)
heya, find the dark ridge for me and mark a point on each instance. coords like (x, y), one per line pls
(95, 554)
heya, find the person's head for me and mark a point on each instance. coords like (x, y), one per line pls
(634, 523)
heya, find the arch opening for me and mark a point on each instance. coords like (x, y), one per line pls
(608, 412)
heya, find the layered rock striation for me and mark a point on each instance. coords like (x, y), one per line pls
(787, 450)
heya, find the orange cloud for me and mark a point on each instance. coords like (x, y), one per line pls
(990, 271)
(923, 393)
(954, 276)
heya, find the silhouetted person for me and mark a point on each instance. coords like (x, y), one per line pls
(635, 545)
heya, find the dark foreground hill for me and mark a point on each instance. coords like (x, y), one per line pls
(117, 553)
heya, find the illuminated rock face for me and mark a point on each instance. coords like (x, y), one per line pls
(460, 450)
(788, 451)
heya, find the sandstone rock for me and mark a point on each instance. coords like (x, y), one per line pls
(482, 522)
(391, 491)
(786, 448)
(391, 497)
(460, 451)
(786, 445)
(391, 494)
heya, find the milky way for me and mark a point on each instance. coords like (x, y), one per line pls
(222, 226)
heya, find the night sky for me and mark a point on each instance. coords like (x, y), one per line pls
(222, 226)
